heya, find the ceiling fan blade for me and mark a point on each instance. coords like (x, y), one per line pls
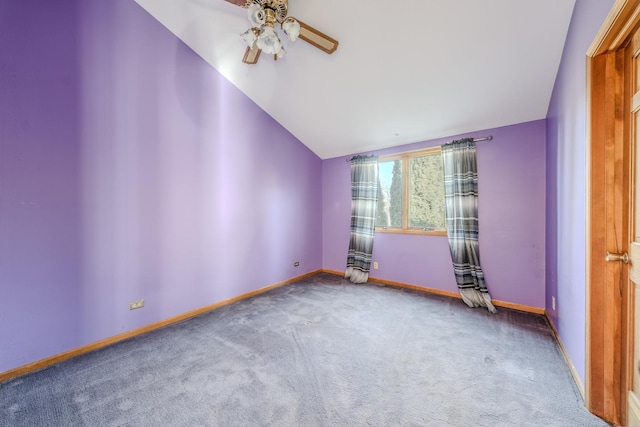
(251, 55)
(317, 38)
(240, 3)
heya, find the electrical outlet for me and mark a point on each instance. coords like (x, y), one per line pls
(375, 265)
(296, 264)
(553, 303)
(136, 304)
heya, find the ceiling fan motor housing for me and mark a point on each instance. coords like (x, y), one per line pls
(279, 8)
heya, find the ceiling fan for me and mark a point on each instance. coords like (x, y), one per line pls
(263, 15)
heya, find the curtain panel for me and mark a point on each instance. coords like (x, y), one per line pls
(364, 200)
(461, 205)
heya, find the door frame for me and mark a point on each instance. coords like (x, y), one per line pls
(609, 329)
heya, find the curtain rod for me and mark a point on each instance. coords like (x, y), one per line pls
(486, 138)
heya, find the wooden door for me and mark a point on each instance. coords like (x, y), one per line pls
(612, 392)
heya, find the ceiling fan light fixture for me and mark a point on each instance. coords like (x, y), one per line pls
(263, 16)
(268, 41)
(257, 15)
(291, 28)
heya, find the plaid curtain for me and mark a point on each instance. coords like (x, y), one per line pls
(364, 199)
(461, 204)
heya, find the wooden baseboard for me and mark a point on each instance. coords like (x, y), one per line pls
(519, 307)
(52, 360)
(572, 368)
(497, 303)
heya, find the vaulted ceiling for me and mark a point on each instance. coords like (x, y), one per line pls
(405, 71)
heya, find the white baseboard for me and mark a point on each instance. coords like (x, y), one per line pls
(633, 410)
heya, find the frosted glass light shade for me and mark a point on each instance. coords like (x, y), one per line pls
(291, 28)
(268, 41)
(257, 16)
(249, 37)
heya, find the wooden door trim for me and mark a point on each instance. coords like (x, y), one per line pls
(622, 19)
(609, 329)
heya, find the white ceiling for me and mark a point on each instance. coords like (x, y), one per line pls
(405, 70)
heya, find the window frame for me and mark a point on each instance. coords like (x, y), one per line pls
(405, 157)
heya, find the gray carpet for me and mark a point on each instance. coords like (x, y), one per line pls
(319, 352)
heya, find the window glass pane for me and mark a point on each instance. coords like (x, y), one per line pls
(389, 213)
(426, 192)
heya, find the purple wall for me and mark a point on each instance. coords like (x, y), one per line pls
(511, 174)
(40, 232)
(130, 169)
(566, 183)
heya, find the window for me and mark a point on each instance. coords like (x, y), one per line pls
(411, 193)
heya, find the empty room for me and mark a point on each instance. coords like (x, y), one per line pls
(252, 213)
